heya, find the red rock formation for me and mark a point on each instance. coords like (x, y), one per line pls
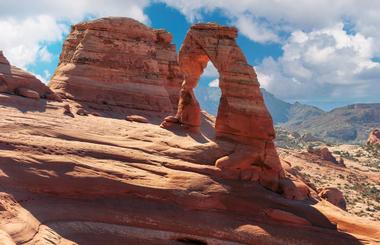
(97, 180)
(334, 196)
(242, 115)
(15, 80)
(121, 182)
(374, 137)
(325, 155)
(119, 61)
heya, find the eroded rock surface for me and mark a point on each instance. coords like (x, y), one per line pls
(119, 61)
(97, 180)
(16, 80)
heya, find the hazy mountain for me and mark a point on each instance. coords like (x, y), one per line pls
(280, 110)
(349, 124)
(283, 112)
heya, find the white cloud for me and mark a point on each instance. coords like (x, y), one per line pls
(27, 27)
(320, 58)
(45, 77)
(327, 63)
(210, 70)
(214, 83)
(25, 41)
(44, 54)
(256, 30)
(264, 20)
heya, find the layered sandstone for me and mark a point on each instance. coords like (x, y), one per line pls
(97, 180)
(242, 115)
(18, 81)
(374, 137)
(119, 61)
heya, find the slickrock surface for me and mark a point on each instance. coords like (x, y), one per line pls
(16, 80)
(374, 137)
(119, 61)
(242, 114)
(99, 180)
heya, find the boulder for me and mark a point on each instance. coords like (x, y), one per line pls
(294, 190)
(334, 196)
(137, 118)
(119, 62)
(67, 110)
(82, 112)
(374, 137)
(325, 155)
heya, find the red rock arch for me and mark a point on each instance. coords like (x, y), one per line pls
(242, 114)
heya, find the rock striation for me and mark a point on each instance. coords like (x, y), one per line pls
(374, 137)
(130, 181)
(242, 115)
(20, 82)
(120, 182)
(119, 61)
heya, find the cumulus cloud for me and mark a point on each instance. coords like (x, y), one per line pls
(214, 83)
(327, 63)
(263, 21)
(28, 27)
(210, 70)
(24, 41)
(328, 46)
(256, 30)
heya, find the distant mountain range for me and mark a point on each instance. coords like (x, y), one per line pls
(348, 124)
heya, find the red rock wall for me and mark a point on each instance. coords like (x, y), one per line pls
(119, 61)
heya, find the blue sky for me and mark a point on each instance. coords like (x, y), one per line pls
(316, 52)
(162, 16)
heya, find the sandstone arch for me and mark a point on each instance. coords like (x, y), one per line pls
(242, 115)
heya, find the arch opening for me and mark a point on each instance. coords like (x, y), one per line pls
(241, 115)
(208, 92)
